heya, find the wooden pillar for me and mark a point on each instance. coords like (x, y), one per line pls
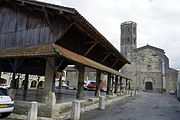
(126, 90)
(49, 84)
(15, 64)
(108, 84)
(0, 74)
(60, 80)
(13, 85)
(98, 77)
(112, 84)
(12, 91)
(120, 82)
(25, 86)
(80, 89)
(116, 85)
(17, 82)
(129, 85)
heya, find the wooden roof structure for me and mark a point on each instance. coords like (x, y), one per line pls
(32, 29)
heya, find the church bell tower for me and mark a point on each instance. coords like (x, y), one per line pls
(128, 39)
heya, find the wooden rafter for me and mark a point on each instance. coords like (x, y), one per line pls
(90, 42)
(46, 14)
(114, 63)
(89, 50)
(106, 57)
(64, 32)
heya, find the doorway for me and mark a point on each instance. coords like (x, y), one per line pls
(148, 86)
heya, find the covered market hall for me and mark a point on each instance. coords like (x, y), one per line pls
(38, 38)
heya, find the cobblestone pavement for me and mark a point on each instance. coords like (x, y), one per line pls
(144, 106)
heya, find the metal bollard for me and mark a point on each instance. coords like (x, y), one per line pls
(75, 113)
(101, 102)
(32, 113)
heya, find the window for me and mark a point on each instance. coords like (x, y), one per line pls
(128, 40)
(134, 30)
(33, 83)
(3, 92)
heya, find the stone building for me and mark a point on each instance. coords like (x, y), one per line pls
(149, 65)
(178, 87)
(90, 74)
(34, 81)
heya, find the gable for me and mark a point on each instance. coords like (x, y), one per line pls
(20, 27)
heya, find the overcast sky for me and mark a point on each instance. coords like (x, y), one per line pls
(158, 21)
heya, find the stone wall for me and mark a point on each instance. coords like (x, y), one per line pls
(173, 77)
(147, 66)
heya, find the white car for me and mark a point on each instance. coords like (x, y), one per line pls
(172, 92)
(4, 86)
(6, 103)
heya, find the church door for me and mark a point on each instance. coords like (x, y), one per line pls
(149, 86)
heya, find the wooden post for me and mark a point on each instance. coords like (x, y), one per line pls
(116, 85)
(49, 84)
(126, 90)
(60, 80)
(13, 85)
(112, 84)
(12, 91)
(120, 84)
(80, 89)
(129, 85)
(0, 74)
(98, 77)
(25, 86)
(17, 82)
(108, 84)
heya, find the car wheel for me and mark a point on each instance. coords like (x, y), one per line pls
(3, 115)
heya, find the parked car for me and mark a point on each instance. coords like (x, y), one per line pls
(91, 85)
(6, 103)
(4, 86)
(172, 92)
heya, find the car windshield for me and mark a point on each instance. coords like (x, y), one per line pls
(93, 83)
(3, 92)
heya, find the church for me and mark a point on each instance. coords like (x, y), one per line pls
(149, 68)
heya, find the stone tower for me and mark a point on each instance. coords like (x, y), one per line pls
(128, 39)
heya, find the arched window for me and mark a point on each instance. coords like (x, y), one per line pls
(128, 30)
(40, 84)
(23, 82)
(3, 81)
(33, 83)
(128, 40)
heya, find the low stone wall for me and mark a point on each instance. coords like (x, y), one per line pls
(48, 111)
(22, 108)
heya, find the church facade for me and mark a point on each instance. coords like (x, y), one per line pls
(149, 68)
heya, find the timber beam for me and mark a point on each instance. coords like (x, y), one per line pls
(114, 63)
(65, 31)
(89, 50)
(105, 57)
